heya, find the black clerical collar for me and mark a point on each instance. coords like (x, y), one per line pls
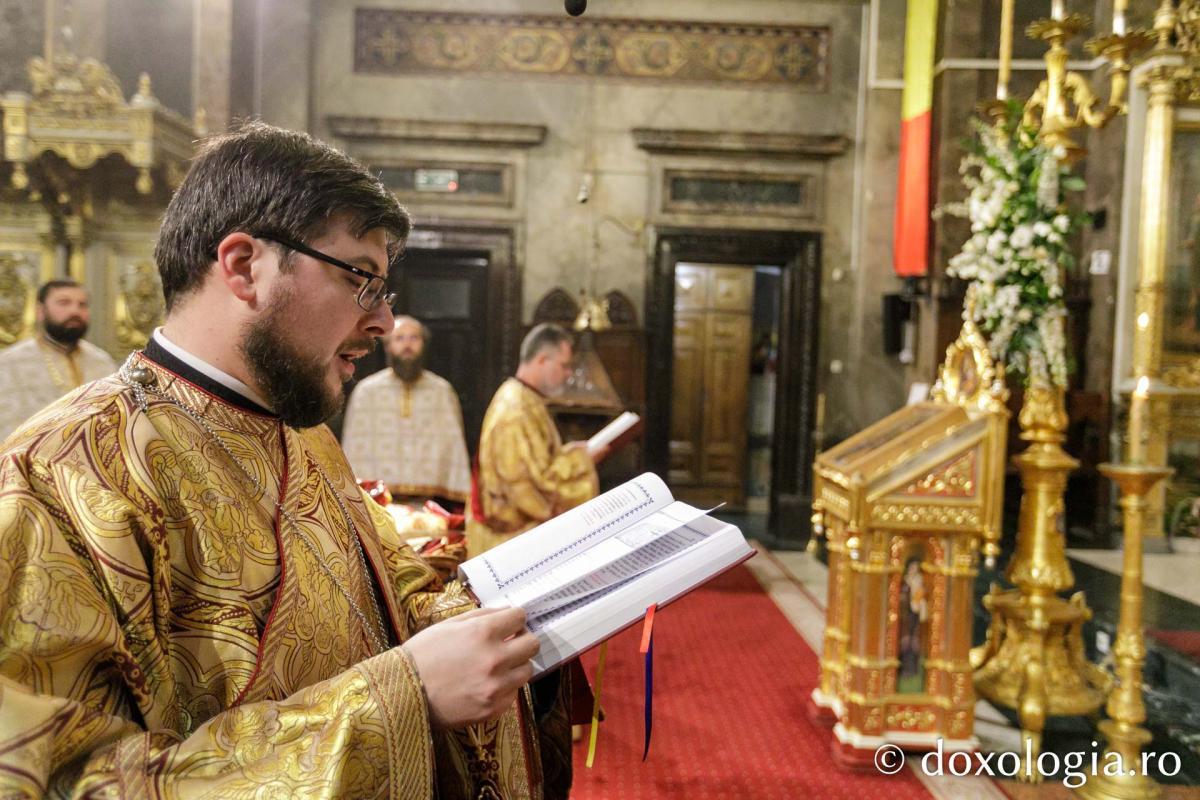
(165, 359)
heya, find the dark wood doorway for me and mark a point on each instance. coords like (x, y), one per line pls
(462, 283)
(447, 290)
(798, 256)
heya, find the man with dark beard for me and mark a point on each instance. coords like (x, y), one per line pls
(199, 601)
(404, 425)
(55, 361)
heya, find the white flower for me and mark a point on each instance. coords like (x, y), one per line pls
(1042, 228)
(1062, 223)
(1021, 237)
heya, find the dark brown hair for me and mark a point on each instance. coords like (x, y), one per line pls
(58, 283)
(265, 180)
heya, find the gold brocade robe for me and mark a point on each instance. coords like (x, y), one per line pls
(166, 632)
(526, 476)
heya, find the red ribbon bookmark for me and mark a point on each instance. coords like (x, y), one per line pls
(647, 649)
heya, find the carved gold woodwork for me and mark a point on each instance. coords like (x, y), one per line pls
(18, 287)
(76, 111)
(139, 305)
(905, 507)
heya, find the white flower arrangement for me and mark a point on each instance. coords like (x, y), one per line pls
(1017, 254)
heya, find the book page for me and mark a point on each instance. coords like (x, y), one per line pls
(610, 432)
(652, 553)
(638, 548)
(587, 621)
(529, 555)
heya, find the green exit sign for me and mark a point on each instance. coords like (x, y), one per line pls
(437, 180)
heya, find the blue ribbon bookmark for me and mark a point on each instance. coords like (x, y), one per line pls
(647, 648)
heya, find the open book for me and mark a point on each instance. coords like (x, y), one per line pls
(587, 574)
(612, 432)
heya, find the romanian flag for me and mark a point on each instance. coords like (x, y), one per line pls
(911, 247)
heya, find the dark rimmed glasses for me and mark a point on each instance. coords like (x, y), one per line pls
(372, 293)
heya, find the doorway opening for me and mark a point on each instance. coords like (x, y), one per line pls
(760, 406)
(731, 373)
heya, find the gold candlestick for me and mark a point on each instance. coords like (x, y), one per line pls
(1139, 410)
(1126, 710)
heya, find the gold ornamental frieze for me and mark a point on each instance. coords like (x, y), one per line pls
(911, 718)
(400, 41)
(933, 516)
(956, 479)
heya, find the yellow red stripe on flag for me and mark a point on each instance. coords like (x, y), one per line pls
(911, 240)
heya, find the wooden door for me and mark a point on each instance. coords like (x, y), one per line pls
(447, 291)
(710, 374)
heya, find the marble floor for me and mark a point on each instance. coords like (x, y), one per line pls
(1176, 574)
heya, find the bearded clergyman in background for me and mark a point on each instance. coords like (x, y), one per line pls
(36, 372)
(404, 425)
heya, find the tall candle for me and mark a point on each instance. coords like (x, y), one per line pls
(1119, 23)
(1057, 9)
(1139, 411)
(1006, 25)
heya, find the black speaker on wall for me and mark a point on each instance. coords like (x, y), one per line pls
(897, 310)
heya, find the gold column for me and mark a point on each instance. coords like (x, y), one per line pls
(1162, 87)
(1033, 659)
(1126, 710)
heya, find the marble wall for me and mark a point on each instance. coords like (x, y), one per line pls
(589, 122)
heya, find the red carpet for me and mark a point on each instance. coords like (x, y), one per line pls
(731, 679)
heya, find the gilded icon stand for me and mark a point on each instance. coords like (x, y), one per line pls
(906, 506)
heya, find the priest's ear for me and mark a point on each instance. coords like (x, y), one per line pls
(240, 264)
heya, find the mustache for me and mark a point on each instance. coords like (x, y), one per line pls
(370, 344)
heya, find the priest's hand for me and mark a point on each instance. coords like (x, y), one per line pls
(472, 665)
(596, 456)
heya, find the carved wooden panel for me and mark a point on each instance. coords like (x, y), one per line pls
(621, 311)
(686, 397)
(731, 289)
(711, 370)
(556, 305)
(727, 372)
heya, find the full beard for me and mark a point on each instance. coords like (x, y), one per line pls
(65, 333)
(293, 383)
(408, 369)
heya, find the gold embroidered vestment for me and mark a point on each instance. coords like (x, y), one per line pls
(164, 630)
(526, 476)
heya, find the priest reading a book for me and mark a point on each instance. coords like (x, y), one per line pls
(526, 475)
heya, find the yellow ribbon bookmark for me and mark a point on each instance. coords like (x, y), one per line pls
(595, 730)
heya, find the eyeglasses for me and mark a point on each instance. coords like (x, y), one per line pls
(372, 293)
